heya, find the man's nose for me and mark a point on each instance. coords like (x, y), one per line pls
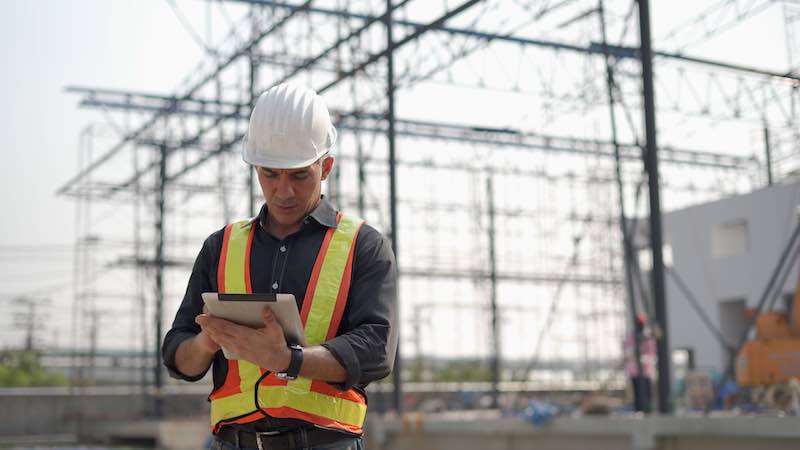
(284, 188)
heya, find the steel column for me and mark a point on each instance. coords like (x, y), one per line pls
(656, 240)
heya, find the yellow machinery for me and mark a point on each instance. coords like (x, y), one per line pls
(773, 357)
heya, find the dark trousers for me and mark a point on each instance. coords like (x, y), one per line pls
(343, 444)
(642, 387)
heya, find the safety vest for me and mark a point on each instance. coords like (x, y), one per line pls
(314, 401)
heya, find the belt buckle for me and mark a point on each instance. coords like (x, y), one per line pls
(264, 433)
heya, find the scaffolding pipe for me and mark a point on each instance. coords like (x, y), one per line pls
(768, 152)
(656, 240)
(626, 240)
(495, 357)
(159, 278)
(390, 135)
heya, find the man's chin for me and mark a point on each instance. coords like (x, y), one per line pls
(285, 212)
(286, 219)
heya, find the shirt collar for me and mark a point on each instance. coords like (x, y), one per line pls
(324, 214)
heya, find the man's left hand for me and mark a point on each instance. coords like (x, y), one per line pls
(265, 347)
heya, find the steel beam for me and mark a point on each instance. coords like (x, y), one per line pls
(139, 132)
(593, 48)
(656, 240)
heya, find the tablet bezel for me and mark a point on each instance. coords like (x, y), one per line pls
(245, 309)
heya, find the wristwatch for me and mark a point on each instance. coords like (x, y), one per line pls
(293, 370)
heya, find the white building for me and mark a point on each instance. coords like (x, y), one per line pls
(725, 253)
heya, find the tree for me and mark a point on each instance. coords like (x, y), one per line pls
(23, 368)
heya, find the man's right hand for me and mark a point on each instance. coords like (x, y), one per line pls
(194, 355)
(205, 343)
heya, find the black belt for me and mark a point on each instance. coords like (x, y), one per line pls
(276, 440)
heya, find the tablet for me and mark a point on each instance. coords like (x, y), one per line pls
(245, 309)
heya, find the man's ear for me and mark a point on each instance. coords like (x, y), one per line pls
(327, 166)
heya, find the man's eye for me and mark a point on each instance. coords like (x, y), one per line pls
(300, 175)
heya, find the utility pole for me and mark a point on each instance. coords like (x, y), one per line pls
(160, 206)
(656, 241)
(94, 333)
(495, 349)
(29, 320)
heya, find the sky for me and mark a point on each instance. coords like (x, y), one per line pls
(47, 46)
(143, 46)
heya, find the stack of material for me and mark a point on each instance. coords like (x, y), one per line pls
(699, 391)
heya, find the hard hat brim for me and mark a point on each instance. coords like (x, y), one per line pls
(247, 156)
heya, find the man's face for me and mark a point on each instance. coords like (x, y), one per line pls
(291, 194)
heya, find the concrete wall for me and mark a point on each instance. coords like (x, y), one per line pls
(114, 416)
(770, 214)
(39, 411)
(634, 433)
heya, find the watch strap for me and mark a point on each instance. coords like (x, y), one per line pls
(294, 363)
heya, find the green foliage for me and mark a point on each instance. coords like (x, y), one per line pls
(22, 368)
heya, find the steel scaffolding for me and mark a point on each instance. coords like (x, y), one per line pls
(508, 206)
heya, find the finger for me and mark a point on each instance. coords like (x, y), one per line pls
(267, 315)
(223, 337)
(225, 341)
(208, 341)
(210, 331)
(207, 323)
(221, 324)
(219, 332)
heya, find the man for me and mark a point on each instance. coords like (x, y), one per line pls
(641, 383)
(342, 273)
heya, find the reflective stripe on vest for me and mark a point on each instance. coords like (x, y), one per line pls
(325, 299)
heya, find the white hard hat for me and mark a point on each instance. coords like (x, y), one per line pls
(290, 127)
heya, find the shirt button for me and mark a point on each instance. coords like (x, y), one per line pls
(283, 248)
(275, 285)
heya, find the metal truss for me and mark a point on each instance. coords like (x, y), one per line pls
(713, 20)
(375, 123)
(743, 96)
(344, 48)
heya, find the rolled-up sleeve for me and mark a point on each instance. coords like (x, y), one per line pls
(184, 326)
(367, 339)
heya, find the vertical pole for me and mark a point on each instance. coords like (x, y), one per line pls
(362, 178)
(31, 318)
(140, 274)
(651, 166)
(93, 332)
(418, 370)
(252, 87)
(627, 245)
(495, 357)
(398, 369)
(768, 151)
(77, 261)
(162, 181)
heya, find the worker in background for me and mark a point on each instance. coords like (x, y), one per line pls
(341, 271)
(642, 383)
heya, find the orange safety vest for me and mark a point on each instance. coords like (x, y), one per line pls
(314, 401)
